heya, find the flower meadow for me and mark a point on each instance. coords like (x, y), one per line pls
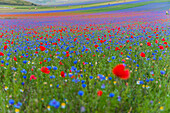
(114, 62)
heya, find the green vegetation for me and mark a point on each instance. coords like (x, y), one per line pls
(124, 6)
(16, 2)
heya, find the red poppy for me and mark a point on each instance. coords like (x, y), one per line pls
(67, 55)
(120, 71)
(75, 39)
(1, 54)
(148, 43)
(163, 39)
(96, 46)
(117, 48)
(156, 41)
(45, 70)
(5, 47)
(42, 48)
(149, 36)
(61, 63)
(165, 43)
(67, 52)
(62, 74)
(142, 54)
(15, 59)
(99, 93)
(161, 47)
(33, 77)
(127, 41)
(87, 39)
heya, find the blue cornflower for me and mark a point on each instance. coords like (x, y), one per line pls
(8, 54)
(162, 72)
(141, 82)
(119, 98)
(54, 103)
(54, 68)
(148, 59)
(83, 85)
(49, 67)
(110, 78)
(103, 86)
(13, 68)
(2, 61)
(111, 95)
(18, 105)
(151, 72)
(52, 76)
(91, 77)
(128, 56)
(8, 58)
(151, 79)
(24, 71)
(22, 83)
(83, 81)
(11, 101)
(113, 57)
(24, 77)
(147, 80)
(81, 93)
(49, 59)
(24, 61)
(75, 62)
(58, 86)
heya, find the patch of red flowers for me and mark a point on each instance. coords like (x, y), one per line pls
(45, 70)
(15, 59)
(148, 43)
(142, 54)
(5, 47)
(121, 72)
(96, 46)
(99, 93)
(33, 77)
(161, 47)
(42, 48)
(62, 74)
(1, 54)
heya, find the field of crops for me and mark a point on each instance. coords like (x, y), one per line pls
(105, 62)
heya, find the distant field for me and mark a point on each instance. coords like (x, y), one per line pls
(42, 8)
(88, 8)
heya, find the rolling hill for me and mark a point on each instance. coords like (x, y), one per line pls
(16, 2)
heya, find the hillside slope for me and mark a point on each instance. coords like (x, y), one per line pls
(16, 2)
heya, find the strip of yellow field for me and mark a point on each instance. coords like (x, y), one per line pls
(106, 3)
(13, 9)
